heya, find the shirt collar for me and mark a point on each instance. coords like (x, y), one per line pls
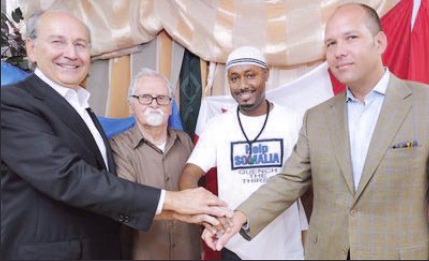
(81, 93)
(137, 138)
(379, 88)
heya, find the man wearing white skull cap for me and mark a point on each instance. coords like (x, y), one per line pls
(249, 145)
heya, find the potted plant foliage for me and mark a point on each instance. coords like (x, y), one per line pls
(12, 42)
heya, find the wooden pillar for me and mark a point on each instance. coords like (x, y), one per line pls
(164, 54)
(117, 106)
(203, 68)
(120, 76)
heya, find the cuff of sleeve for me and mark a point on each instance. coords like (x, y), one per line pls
(245, 229)
(160, 202)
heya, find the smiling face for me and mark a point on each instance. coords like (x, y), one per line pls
(247, 84)
(354, 47)
(61, 49)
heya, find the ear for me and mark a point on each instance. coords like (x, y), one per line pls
(170, 110)
(30, 46)
(267, 74)
(381, 41)
(130, 108)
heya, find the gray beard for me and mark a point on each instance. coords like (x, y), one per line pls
(154, 118)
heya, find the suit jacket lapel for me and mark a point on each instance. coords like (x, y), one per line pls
(337, 121)
(66, 113)
(395, 108)
(100, 129)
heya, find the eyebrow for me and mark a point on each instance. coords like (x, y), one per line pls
(349, 32)
(55, 36)
(58, 36)
(328, 41)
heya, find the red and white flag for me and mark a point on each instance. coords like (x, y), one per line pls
(407, 29)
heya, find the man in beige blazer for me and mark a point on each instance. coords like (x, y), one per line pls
(365, 152)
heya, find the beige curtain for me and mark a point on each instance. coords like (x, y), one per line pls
(289, 31)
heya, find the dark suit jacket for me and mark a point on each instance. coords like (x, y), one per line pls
(58, 201)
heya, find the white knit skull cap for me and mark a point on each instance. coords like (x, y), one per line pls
(246, 55)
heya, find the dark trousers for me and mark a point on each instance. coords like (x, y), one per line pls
(228, 255)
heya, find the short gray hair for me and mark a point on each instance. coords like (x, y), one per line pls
(146, 72)
(32, 24)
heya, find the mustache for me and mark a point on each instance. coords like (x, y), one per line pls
(151, 110)
(244, 90)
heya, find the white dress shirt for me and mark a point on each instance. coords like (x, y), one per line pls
(78, 99)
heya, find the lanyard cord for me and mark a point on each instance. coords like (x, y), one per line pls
(249, 159)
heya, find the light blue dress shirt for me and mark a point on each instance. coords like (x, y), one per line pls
(362, 119)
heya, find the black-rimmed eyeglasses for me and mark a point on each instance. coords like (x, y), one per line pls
(147, 99)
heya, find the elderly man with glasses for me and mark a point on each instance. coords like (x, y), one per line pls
(154, 154)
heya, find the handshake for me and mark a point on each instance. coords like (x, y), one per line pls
(199, 206)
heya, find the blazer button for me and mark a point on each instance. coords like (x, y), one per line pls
(353, 212)
(126, 219)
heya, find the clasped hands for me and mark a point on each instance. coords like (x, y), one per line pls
(217, 236)
(200, 206)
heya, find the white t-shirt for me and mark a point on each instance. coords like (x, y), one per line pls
(223, 145)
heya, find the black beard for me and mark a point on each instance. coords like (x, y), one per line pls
(246, 107)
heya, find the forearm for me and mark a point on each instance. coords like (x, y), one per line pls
(240, 218)
(165, 215)
(188, 183)
(169, 202)
(194, 202)
(190, 176)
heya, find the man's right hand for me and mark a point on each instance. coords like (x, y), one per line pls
(209, 222)
(216, 240)
(196, 201)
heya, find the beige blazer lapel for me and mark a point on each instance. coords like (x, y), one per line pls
(395, 108)
(340, 137)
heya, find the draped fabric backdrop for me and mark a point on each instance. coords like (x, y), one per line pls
(290, 32)
(128, 34)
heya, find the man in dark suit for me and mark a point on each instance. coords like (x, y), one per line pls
(60, 196)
